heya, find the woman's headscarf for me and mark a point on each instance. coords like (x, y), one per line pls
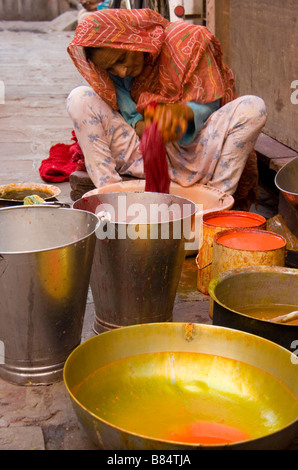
(183, 61)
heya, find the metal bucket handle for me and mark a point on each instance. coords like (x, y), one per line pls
(199, 267)
(104, 216)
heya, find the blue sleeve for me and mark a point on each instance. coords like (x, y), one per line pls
(129, 111)
(201, 114)
(125, 102)
(103, 5)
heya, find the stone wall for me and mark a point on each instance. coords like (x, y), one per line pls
(259, 40)
(34, 10)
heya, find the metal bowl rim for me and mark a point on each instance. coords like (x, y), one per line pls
(280, 172)
(95, 196)
(55, 247)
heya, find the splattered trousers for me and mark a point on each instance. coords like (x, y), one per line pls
(216, 157)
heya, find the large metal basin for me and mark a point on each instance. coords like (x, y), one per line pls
(207, 199)
(212, 199)
(239, 290)
(152, 386)
(286, 181)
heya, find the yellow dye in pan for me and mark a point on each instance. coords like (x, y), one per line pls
(188, 397)
(268, 311)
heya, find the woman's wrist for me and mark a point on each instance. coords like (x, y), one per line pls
(139, 127)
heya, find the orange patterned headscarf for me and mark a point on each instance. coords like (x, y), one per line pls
(183, 62)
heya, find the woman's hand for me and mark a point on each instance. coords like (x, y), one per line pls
(172, 119)
(139, 128)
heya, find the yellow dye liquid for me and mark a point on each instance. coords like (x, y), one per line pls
(188, 397)
(19, 195)
(269, 311)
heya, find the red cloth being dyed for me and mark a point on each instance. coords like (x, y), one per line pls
(76, 153)
(63, 160)
(155, 161)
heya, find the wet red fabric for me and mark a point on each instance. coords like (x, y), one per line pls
(155, 161)
(76, 154)
(63, 160)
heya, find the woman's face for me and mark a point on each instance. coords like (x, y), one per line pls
(118, 61)
(89, 5)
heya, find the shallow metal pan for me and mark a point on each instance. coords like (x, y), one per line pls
(14, 193)
(123, 380)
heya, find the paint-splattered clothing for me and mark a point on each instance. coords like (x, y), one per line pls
(216, 157)
(182, 63)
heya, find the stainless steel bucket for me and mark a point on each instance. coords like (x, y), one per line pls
(138, 261)
(46, 256)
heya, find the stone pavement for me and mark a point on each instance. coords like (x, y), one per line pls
(38, 75)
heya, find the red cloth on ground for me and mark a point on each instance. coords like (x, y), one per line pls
(155, 161)
(62, 161)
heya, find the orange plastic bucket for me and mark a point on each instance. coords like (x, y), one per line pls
(215, 222)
